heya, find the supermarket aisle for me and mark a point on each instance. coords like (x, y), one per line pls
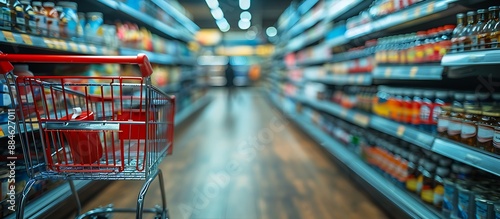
(244, 161)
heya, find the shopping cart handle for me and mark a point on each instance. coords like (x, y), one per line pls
(141, 60)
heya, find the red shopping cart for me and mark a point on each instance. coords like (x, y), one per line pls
(110, 128)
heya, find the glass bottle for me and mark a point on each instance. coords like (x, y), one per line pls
(465, 40)
(426, 110)
(456, 116)
(52, 19)
(29, 16)
(415, 106)
(469, 126)
(426, 181)
(442, 173)
(40, 19)
(445, 43)
(495, 34)
(483, 37)
(455, 39)
(478, 27)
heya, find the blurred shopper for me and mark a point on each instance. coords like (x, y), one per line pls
(229, 80)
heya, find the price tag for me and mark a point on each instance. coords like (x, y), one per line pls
(27, 39)
(413, 71)
(93, 49)
(361, 119)
(417, 11)
(83, 48)
(401, 130)
(58, 44)
(361, 79)
(73, 47)
(352, 79)
(63, 44)
(473, 159)
(430, 8)
(49, 43)
(9, 36)
(405, 15)
(388, 72)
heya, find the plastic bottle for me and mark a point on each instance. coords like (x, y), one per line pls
(52, 19)
(40, 18)
(5, 15)
(426, 111)
(476, 30)
(29, 16)
(69, 19)
(416, 105)
(466, 38)
(17, 16)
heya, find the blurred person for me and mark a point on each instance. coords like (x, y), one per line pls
(229, 80)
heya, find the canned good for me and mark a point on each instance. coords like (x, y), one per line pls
(466, 201)
(485, 208)
(450, 198)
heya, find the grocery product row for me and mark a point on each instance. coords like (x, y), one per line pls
(61, 26)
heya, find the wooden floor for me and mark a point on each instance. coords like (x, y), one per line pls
(243, 160)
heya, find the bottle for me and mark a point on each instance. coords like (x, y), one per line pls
(406, 106)
(478, 27)
(455, 40)
(29, 16)
(416, 105)
(486, 129)
(420, 47)
(440, 101)
(445, 43)
(465, 40)
(411, 180)
(93, 29)
(62, 25)
(40, 19)
(81, 24)
(52, 19)
(426, 110)
(17, 16)
(68, 19)
(456, 116)
(425, 182)
(442, 172)
(495, 35)
(483, 37)
(5, 16)
(429, 43)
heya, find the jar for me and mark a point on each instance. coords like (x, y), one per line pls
(52, 19)
(69, 19)
(456, 117)
(469, 126)
(486, 129)
(425, 182)
(93, 29)
(438, 191)
(444, 121)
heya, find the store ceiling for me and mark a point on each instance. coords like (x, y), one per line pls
(265, 13)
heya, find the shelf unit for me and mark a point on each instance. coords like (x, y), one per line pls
(408, 206)
(414, 72)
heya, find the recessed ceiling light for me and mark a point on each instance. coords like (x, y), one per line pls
(271, 31)
(217, 13)
(245, 15)
(244, 4)
(244, 24)
(212, 4)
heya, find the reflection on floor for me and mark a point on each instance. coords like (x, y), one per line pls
(240, 159)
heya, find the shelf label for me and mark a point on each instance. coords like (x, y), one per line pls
(49, 43)
(27, 39)
(430, 8)
(83, 48)
(73, 47)
(93, 49)
(472, 159)
(401, 130)
(361, 119)
(388, 72)
(417, 11)
(352, 80)
(413, 71)
(64, 45)
(405, 15)
(9, 36)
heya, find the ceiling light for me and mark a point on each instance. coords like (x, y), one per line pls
(217, 13)
(244, 24)
(223, 25)
(226, 28)
(212, 4)
(271, 31)
(245, 15)
(244, 4)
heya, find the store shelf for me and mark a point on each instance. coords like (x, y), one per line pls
(159, 58)
(402, 131)
(352, 116)
(178, 16)
(349, 79)
(151, 23)
(404, 16)
(306, 23)
(31, 41)
(467, 155)
(411, 207)
(341, 7)
(313, 61)
(341, 40)
(487, 57)
(416, 72)
(307, 38)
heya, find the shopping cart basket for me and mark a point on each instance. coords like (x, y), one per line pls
(91, 128)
